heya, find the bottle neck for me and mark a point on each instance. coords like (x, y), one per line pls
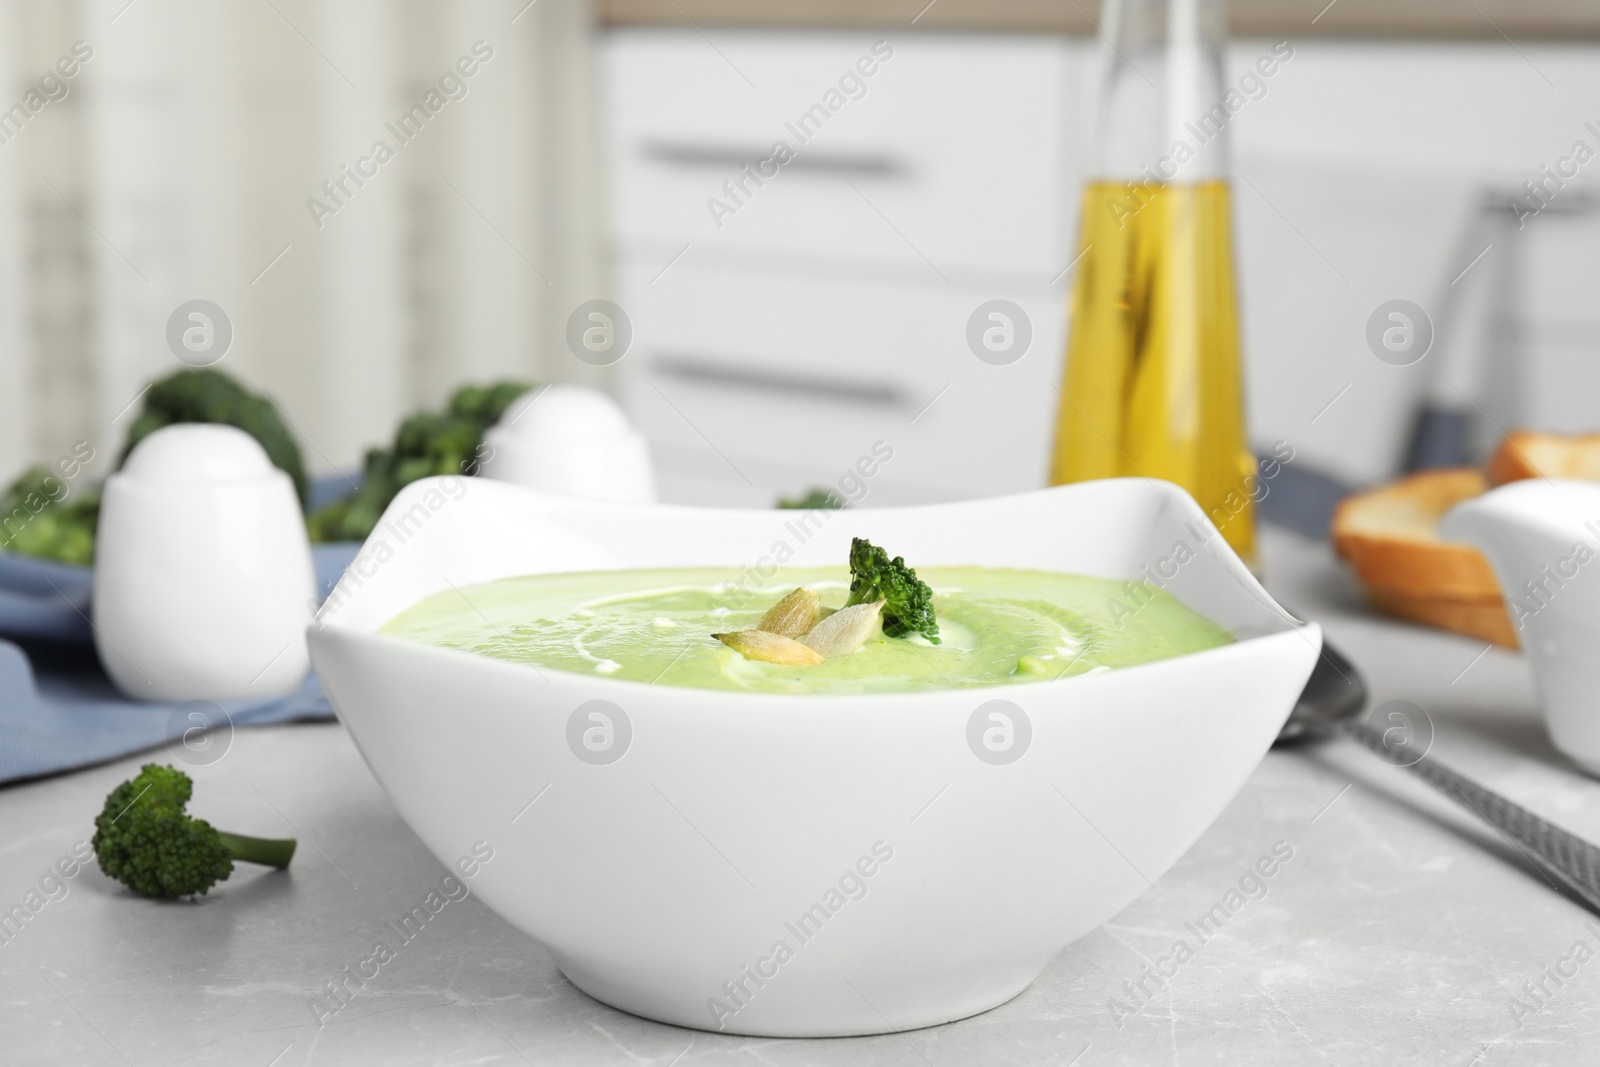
(1164, 107)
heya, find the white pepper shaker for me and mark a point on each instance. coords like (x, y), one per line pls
(203, 582)
(574, 440)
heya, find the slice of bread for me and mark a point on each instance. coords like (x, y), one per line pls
(1485, 621)
(1528, 454)
(1390, 537)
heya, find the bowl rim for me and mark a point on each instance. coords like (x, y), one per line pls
(327, 617)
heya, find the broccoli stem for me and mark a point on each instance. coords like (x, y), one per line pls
(269, 852)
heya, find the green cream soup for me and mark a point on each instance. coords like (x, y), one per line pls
(995, 626)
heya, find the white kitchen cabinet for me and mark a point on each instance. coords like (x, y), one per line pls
(831, 306)
(892, 177)
(829, 310)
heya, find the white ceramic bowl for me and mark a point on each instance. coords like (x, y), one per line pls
(663, 882)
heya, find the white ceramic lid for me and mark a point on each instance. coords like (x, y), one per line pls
(198, 452)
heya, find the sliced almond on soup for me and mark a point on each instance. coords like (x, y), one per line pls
(770, 648)
(845, 630)
(794, 615)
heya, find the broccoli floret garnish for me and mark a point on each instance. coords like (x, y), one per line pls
(427, 443)
(874, 576)
(207, 395)
(145, 840)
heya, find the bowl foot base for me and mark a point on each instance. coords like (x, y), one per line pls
(809, 1013)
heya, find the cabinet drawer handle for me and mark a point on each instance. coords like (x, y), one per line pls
(717, 372)
(732, 157)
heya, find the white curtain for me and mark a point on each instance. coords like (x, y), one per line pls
(186, 158)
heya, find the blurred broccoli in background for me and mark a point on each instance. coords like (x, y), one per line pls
(41, 515)
(206, 395)
(427, 443)
(485, 404)
(812, 500)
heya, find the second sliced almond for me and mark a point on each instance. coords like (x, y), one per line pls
(845, 630)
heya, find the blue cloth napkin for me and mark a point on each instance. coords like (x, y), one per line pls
(72, 716)
(59, 711)
(43, 599)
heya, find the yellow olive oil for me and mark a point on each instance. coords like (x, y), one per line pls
(1153, 385)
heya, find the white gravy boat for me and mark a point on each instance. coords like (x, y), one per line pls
(1542, 537)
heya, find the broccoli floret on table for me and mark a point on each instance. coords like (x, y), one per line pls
(145, 840)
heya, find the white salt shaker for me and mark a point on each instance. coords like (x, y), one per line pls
(203, 580)
(573, 440)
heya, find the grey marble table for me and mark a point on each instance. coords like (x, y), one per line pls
(1396, 932)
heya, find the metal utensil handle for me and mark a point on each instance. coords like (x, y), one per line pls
(1570, 858)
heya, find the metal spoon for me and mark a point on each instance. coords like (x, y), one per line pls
(1331, 704)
